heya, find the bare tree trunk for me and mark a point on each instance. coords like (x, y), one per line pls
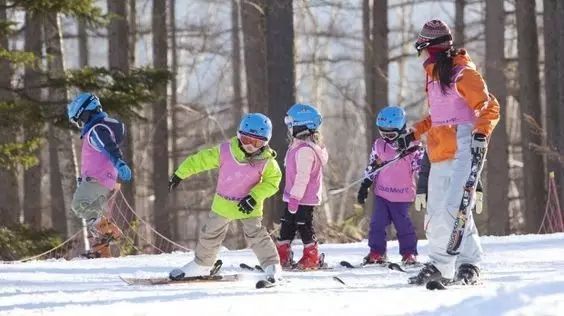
(560, 119)
(61, 155)
(368, 71)
(10, 207)
(236, 62)
(160, 128)
(173, 116)
(459, 38)
(529, 102)
(118, 40)
(32, 176)
(281, 84)
(254, 34)
(83, 59)
(380, 57)
(132, 31)
(498, 160)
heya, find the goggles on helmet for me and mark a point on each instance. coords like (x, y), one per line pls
(253, 140)
(420, 46)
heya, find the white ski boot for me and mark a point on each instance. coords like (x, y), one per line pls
(191, 269)
(273, 273)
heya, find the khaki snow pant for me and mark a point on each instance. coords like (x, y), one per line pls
(446, 186)
(213, 232)
(90, 199)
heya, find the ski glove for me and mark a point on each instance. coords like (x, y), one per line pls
(247, 205)
(478, 207)
(420, 201)
(124, 172)
(173, 182)
(404, 139)
(479, 143)
(293, 205)
(363, 191)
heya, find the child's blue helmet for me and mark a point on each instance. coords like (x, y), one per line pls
(256, 124)
(390, 118)
(85, 101)
(303, 115)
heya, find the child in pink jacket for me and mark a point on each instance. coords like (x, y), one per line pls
(304, 163)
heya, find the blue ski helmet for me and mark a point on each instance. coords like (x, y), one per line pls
(391, 117)
(303, 115)
(256, 124)
(85, 101)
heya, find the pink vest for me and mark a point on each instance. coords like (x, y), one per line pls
(96, 164)
(448, 108)
(236, 179)
(396, 182)
(312, 193)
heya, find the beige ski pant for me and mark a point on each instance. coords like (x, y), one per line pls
(446, 185)
(213, 232)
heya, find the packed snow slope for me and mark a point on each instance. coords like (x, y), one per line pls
(522, 275)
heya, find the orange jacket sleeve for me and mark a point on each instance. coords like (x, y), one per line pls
(472, 87)
(422, 127)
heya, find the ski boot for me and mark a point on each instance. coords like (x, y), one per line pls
(409, 260)
(284, 249)
(375, 258)
(428, 273)
(310, 258)
(273, 273)
(189, 270)
(468, 274)
(100, 233)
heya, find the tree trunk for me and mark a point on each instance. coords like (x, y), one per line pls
(118, 40)
(380, 59)
(236, 63)
(459, 22)
(560, 107)
(281, 84)
(529, 103)
(32, 176)
(160, 128)
(173, 117)
(63, 170)
(10, 207)
(83, 59)
(498, 157)
(368, 72)
(254, 34)
(132, 31)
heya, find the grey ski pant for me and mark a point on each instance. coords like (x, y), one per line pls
(213, 232)
(90, 199)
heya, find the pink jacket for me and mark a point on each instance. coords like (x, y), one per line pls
(304, 163)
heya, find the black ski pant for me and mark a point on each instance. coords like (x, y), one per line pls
(301, 221)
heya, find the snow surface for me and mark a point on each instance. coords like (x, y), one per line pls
(522, 275)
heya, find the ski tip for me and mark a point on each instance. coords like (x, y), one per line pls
(346, 264)
(396, 267)
(264, 284)
(336, 278)
(435, 285)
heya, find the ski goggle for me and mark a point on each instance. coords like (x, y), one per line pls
(420, 46)
(389, 134)
(253, 140)
(289, 121)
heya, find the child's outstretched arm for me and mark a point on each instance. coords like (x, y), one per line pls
(203, 160)
(270, 181)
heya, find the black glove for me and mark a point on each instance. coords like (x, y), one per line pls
(173, 182)
(247, 204)
(405, 138)
(363, 191)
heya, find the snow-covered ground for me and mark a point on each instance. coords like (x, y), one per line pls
(522, 275)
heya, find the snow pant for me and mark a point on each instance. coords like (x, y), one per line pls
(90, 199)
(385, 213)
(301, 221)
(213, 232)
(446, 186)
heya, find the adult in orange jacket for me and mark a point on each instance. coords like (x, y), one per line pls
(462, 115)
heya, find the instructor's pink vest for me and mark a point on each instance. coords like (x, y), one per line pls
(236, 179)
(97, 164)
(394, 183)
(448, 108)
(312, 194)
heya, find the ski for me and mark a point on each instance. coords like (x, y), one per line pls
(192, 279)
(292, 268)
(439, 285)
(250, 268)
(469, 191)
(266, 284)
(390, 265)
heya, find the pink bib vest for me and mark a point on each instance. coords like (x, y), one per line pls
(236, 179)
(448, 108)
(97, 164)
(394, 183)
(312, 194)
